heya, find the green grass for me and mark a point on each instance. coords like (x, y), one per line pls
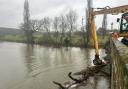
(15, 38)
(39, 39)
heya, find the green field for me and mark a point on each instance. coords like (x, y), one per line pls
(76, 41)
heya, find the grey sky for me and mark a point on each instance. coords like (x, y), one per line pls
(11, 11)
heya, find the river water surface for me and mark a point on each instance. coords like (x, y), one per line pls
(25, 66)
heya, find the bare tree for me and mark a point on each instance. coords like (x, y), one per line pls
(36, 25)
(88, 21)
(46, 23)
(83, 32)
(88, 28)
(104, 25)
(71, 21)
(56, 23)
(63, 27)
(26, 26)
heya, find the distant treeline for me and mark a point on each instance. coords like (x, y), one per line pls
(62, 30)
(10, 31)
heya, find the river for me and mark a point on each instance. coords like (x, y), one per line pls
(25, 66)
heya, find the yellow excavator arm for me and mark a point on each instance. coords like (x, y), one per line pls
(115, 10)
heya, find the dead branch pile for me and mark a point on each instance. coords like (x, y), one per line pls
(84, 76)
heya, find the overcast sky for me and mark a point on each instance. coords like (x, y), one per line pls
(11, 11)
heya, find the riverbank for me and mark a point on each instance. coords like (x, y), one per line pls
(77, 41)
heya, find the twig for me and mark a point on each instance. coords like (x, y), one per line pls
(60, 85)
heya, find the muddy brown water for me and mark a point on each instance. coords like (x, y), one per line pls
(25, 66)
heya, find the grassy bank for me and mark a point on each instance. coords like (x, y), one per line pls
(76, 41)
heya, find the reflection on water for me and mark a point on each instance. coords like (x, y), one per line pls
(19, 62)
(39, 57)
(28, 52)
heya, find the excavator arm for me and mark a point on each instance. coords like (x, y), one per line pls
(115, 10)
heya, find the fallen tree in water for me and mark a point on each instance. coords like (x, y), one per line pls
(84, 75)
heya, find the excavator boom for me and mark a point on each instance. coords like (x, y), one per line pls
(115, 10)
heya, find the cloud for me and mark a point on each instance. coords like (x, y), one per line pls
(54, 5)
(11, 11)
